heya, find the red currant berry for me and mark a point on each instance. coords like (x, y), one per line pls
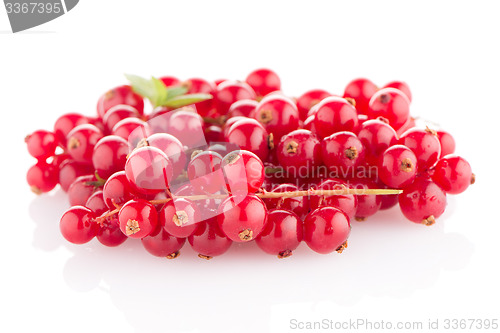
(78, 225)
(162, 244)
(326, 230)
(299, 149)
(390, 104)
(342, 152)
(81, 190)
(376, 136)
(309, 124)
(347, 203)
(410, 123)
(402, 86)
(188, 128)
(361, 90)
(447, 143)
(149, 170)
(278, 114)
(132, 129)
(227, 125)
(242, 220)
(69, 170)
(179, 217)
(263, 81)
(110, 155)
(397, 166)
(298, 205)
(209, 240)
(387, 201)
(229, 92)
(81, 142)
(172, 147)
(309, 99)
(244, 108)
(249, 134)
(170, 81)
(453, 174)
(200, 86)
(206, 206)
(41, 144)
(282, 233)
(243, 172)
(96, 203)
(425, 144)
(116, 114)
(65, 123)
(117, 190)
(368, 205)
(119, 95)
(423, 201)
(213, 133)
(42, 177)
(334, 114)
(137, 218)
(110, 234)
(58, 159)
(205, 173)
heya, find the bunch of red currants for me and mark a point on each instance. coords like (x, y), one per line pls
(235, 161)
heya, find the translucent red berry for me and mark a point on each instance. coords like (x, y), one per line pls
(201, 86)
(243, 172)
(447, 143)
(179, 217)
(229, 92)
(342, 152)
(397, 166)
(453, 174)
(299, 149)
(118, 113)
(376, 136)
(110, 155)
(278, 114)
(172, 147)
(69, 170)
(391, 104)
(425, 144)
(162, 244)
(282, 233)
(402, 86)
(361, 90)
(78, 225)
(109, 233)
(132, 129)
(96, 203)
(244, 108)
(298, 205)
(309, 99)
(348, 203)
(117, 190)
(188, 128)
(138, 218)
(326, 229)
(119, 95)
(170, 81)
(249, 134)
(205, 173)
(369, 204)
(334, 114)
(263, 81)
(42, 177)
(81, 142)
(209, 240)
(41, 144)
(81, 190)
(65, 123)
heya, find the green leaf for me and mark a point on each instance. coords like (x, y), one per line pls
(176, 91)
(161, 92)
(153, 89)
(184, 100)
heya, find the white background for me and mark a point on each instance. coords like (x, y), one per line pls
(393, 270)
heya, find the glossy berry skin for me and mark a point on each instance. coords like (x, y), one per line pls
(242, 219)
(368, 205)
(282, 233)
(132, 129)
(149, 170)
(278, 114)
(342, 151)
(65, 123)
(447, 143)
(309, 99)
(170, 81)
(110, 155)
(179, 217)
(423, 201)
(244, 108)
(162, 244)
(361, 90)
(117, 190)
(118, 113)
(299, 149)
(390, 104)
(41, 144)
(334, 114)
(249, 134)
(119, 95)
(81, 190)
(209, 240)
(96, 203)
(347, 203)
(425, 144)
(298, 205)
(453, 174)
(78, 225)
(227, 125)
(326, 229)
(172, 147)
(243, 172)
(201, 86)
(309, 124)
(402, 86)
(213, 133)
(229, 92)
(42, 177)
(137, 218)
(69, 170)
(188, 128)
(397, 166)
(81, 142)
(205, 173)
(109, 233)
(376, 136)
(263, 81)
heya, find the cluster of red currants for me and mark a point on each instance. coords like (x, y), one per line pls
(233, 161)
